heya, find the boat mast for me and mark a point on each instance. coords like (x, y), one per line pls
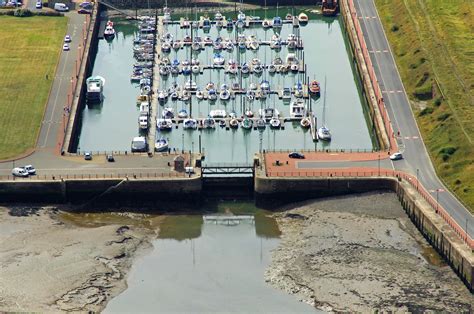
(324, 101)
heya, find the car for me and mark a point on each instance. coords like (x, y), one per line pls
(67, 39)
(110, 158)
(39, 5)
(61, 7)
(296, 155)
(19, 172)
(396, 156)
(66, 47)
(30, 169)
(88, 156)
(86, 5)
(84, 11)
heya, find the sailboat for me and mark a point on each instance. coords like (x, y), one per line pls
(323, 132)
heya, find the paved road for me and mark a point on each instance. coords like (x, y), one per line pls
(401, 115)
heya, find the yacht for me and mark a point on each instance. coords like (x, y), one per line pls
(217, 113)
(324, 133)
(297, 109)
(303, 18)
(143, 122)
(95, 87)
(164, 124)
(268, 113)
(182, 114)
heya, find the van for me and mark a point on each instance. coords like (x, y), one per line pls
(19, 172)
(61, 7)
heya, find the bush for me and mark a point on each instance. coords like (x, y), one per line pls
(22, 13)
(427, 110)
(424, 92)
(437, 102)
(443, 116)
(395, 28)
(449, 150)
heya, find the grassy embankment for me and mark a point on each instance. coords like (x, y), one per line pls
(433, 44)
(29, 51)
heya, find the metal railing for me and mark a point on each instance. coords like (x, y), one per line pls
(91, 176)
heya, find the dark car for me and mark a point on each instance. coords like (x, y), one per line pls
(84, 11)
(296, 155)
(110, 158)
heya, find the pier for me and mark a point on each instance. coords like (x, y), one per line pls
(154, 96)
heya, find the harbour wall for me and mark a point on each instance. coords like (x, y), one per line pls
(78, 94)
(271, 192)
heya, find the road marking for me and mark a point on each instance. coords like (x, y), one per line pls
(415, 137)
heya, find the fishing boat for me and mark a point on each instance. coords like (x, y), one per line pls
(277, 22)
(190, 124)
(182, 114)
(109, 32)
(234, 123)
(218, 113)
(190, 85)
(247, 123)
(303, 18)
(314, 88)
(261, 124)
(95, 87)
(218, 59)
(297, 109)
(275, 123)
(305, 122)
(168, 113)
(268, 113)
(209, 123)
(161, 145)
(164, 124)
(224, 94)
(266, 24)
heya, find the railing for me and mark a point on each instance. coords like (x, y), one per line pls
(373, 77)
(322, 150)
(436, 206)
(87, 176)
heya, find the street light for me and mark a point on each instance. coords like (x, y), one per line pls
(437, 196)
(182, 143)
(417, 171)
(379, 164)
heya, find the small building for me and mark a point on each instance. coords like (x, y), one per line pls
(179, 163)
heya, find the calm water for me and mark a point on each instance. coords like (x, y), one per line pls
(112, 125)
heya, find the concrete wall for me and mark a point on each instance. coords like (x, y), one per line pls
(272, 192)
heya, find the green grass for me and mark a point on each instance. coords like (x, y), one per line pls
(433, 44)
(29, 51)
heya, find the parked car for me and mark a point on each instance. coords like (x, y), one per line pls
(396, 156)
(39, 5)
(84, 11)
(296, 155)
(67, 39)
(88, 156)
(19, 172)
(61, 7)
(110, 158)
(139, 144)
(30, 169)
(86, 5)
(66, 47)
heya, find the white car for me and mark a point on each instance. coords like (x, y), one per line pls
(30, 169)
(396, 156)
(39, 5)
(19, 172)
(66, 47)
(67, 39)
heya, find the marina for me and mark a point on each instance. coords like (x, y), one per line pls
(180, 76)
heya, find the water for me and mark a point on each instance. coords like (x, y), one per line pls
(112, 126)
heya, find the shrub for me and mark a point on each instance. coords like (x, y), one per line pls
(424, 91)
(427, 110)
(437, 102)
(449, 150)
(395, 28)
(22, 13)
(443, 116)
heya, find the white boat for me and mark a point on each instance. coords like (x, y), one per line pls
(250, 95)
(209, 123)
(218, 16)
(234, 123)
(183, 114)
(303, 18)
(256, 61)
(144, 108)
(261, 123)
(286, 93)
(232, 115)
(212, 95)
(272, 68)
(245, 69)
(249, 113)
(210, 86)
(305, 122)
(162, 96)
(95, 87)
(291, 58)
(224, 94)
(109, 32)
(166, 47)
(218, 113)
(253, 86)
(196, 69)
(294, 67)
(268, 113)
(265, 85)
(168, 113)
(266, 24)
(258, 68)
(196, 46)
(176, 44)
(254, 45)
(297, 109)
(199, 94)
(324, 133)
(190, 85)
(143, 122)
(164, 124)
(190, 124)
(195, 61)
(186, 96)
(241, 16)
(232, 69)
(275, 123)
(218, 59)
(161, 145)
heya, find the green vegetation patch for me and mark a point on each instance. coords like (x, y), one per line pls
(433, 44)
(30, 50)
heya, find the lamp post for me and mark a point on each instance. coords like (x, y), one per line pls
(417, 172)
(182, 143)
(437, 197)
(379, 164)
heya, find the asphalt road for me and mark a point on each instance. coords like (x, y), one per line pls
(416, 159)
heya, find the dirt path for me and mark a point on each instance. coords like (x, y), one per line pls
(47, 265)
(362, 254)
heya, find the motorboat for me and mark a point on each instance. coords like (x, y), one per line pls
(224, 94)
(229, 46)
(253, 86)
(268, 113)
(256, 61)
(324, 133)
(187, 40)
(168, 113)
(206, 24)
(218, 46)
(250, 95)
(176, 45)
(277, 22)
(143, 122)
(234, 123)
(258, 69)
(166, 47)
(210, 86)
(297, 109)
(240, 23)
(294, 67)
(232, 69)
(289, 17)
(212, 95)
(286, 95)
(109, 31)
(164, 124)
(166, 15)
(218, 59)
(167, 37)
(161, 145)
(162, 96)
(218, 16)
(260, 123)
(183, 114)
(229, 25)
(186, 96)
(174, 96)
(314, 88)
(249, 113)
(275, 123)
(303, 18)
(247, 123)
(186, 70)
(190, 124)
(196, 46)
(233, 114)
(277, 61)
(218, 113)
(95, 87)
(164, 70)
(174, 70)
(291, 58)
(199, 94)
(254, 45)
(208, 41)
(305, 122)
(265, 85)
(195, 69)
(235, 86)
(175, 62)
(219, 24)
(222, 123)
(142, 98)
(271, 68)
(284, 68)
(185, 62)
(262, 95)
(245, 69)
(242, 45)
(241, 16)
(195, 61)
(186, 23)
(266, 24)
(190, 85)
(209, 123)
